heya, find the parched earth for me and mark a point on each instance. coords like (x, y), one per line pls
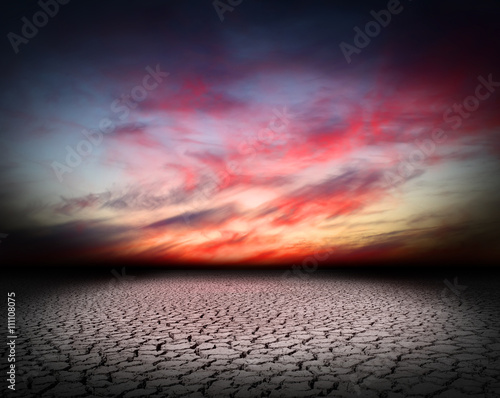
(172, 334)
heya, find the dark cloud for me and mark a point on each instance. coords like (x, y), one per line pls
(66, 243)
(393, 92)
(211, 217)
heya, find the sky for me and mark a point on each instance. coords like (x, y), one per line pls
(249, 132)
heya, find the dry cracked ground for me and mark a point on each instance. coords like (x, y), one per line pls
(172, 334)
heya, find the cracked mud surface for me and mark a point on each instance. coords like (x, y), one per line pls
(192, 335)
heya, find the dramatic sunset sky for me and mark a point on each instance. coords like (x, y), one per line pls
(254, 140)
